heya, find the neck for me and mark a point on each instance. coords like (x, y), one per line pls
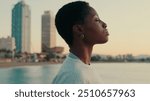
(82, 52)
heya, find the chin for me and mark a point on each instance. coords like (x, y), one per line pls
(104, 42)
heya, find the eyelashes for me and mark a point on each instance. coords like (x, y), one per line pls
(98, 20)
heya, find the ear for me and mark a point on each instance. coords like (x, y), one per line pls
(78, 29)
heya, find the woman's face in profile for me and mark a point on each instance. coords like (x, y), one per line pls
(95, 29)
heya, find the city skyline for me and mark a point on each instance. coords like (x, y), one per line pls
(128, 24)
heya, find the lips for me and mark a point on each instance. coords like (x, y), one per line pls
(107, 33)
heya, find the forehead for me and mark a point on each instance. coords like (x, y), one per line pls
(92, 14)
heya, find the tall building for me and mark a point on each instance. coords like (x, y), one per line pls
(48, 32)
(21, 27)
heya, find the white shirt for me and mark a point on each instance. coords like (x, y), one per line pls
(74, 71)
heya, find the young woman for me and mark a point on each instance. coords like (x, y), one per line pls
(81, 28)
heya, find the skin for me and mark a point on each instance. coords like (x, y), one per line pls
(94, 31)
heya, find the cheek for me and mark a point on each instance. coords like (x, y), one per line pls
(101, 37)
(95, 35)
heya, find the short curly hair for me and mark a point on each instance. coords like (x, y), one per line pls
(69, 15)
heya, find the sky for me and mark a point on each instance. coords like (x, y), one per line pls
(128, 24)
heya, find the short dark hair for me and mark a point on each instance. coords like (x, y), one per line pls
(69, 15)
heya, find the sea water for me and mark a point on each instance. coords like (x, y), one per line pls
(110, 73)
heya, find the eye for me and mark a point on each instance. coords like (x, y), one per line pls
(97, 20)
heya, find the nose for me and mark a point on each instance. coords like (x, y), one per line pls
(104, 25)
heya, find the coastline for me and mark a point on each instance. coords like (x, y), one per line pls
(16, 64)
